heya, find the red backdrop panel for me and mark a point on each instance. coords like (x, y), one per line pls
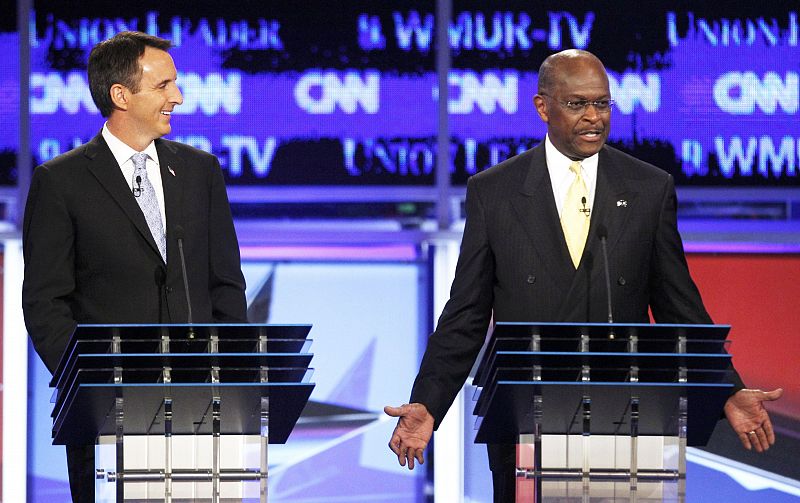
(759, 296)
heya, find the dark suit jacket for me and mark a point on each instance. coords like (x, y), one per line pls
(515, 265)
(90, 257)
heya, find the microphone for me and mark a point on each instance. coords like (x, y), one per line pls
(584, 210)
(179, 234)
(137, 191)
(602, 233)
(160, 277)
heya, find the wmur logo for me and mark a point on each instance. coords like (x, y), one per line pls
(52, 92)
(322, 92)
(739, 93)
(488, 91)
(483, 31)
(764, 155)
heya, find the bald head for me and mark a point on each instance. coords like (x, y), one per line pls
(574, 100)
(557, 65)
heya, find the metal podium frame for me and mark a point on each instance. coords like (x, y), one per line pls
(536, 379)
(177, 379)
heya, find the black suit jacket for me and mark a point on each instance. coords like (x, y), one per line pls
(514, 263)
(90, 257)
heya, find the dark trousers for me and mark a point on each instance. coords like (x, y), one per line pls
(503, 463)
(80, 465)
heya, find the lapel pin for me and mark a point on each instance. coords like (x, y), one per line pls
(621, 202)
(172, 172)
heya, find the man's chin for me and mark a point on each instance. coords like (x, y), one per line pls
(588, 149)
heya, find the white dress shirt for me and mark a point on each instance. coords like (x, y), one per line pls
(123, 153)
(561, 177)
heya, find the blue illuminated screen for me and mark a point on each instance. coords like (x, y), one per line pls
(315, 93)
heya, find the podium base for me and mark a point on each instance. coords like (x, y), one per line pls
(598, 468)
(603, 452)
(575, 492)
(189, 453)
(191, 500)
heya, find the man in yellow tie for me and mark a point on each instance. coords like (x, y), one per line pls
(531, 252)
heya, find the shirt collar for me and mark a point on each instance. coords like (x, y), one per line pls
(558, 164)
(122, 151)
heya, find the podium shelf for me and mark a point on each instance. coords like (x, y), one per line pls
(89, 413)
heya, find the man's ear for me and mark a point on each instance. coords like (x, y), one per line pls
(541, 107)
(119, 96)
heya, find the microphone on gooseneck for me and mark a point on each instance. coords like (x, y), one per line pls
(160, 277)
(179, 234)
(602, 233)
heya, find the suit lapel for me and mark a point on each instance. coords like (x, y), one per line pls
(611, 193)
(172, 172)
(104, 167)
(536, 209)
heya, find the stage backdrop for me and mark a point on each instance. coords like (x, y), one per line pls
(308, 93)
(757, 295)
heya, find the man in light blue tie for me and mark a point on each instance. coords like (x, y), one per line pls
(99, 235)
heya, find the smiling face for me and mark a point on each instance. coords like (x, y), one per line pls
(144, 115)
(580, 134)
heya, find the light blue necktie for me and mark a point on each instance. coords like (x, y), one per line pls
(146, 197)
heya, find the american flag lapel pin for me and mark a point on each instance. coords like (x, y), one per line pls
(621, 202)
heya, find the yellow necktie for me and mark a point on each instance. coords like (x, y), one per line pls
(575, 215)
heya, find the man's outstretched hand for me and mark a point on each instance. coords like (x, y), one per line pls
(412, 433)
(748, 417)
